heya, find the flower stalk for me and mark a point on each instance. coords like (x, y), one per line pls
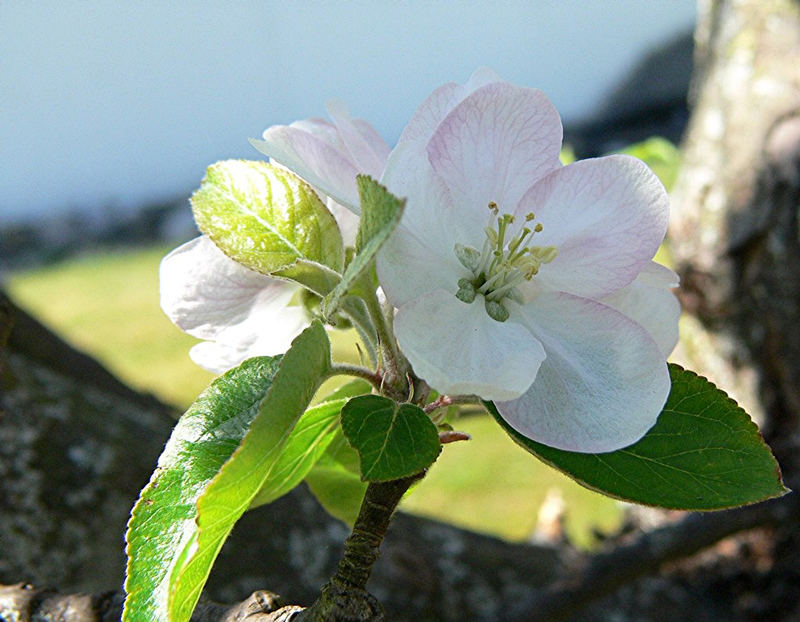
(344, 597)
(396, 369)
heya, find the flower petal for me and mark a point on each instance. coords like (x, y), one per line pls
(322, 129)
(429, 214)
(606, 216)
(219, 358)
(346, 219)
(495, 145)
(439, 103)
(315, 160)
(419, 257)
(458, 349)
(210, 296)
(649, 301)
(367, 150)
(602, 385)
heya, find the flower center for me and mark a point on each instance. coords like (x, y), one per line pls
(501, 265)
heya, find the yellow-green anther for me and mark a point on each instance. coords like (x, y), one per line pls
(468, 256)
(547, 254)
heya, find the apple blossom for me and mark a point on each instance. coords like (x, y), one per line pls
(241, 313)
(525, 282)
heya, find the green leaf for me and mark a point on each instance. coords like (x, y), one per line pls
(704, 453)
(349, 389)
(393, 440)
(380, 214)
(314, 276)
(236, 433)
(335, 480)
(162, 522)
(309, 438)
(266, 218)
(307, 442)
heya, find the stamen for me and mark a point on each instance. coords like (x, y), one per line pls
(496, 311)
(500, 268)
(468, 256)
(466, 294)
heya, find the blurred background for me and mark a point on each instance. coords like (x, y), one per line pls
(111, 111)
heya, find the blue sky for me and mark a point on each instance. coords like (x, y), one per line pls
(115, 104)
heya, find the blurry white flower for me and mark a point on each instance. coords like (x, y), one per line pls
(240, 313)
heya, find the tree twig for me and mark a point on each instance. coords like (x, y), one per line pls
(344, 597)
(606, 572)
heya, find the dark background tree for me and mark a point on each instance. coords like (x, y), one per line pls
(76, 445)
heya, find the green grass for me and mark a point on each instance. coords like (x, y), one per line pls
(107, 305)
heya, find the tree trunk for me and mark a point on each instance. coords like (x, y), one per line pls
(735, 241)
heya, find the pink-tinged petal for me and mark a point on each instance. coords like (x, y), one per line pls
(429, 213)
(407, 269)
(322, 129)
(602, 385)
(318, 162)
(649, 301)
(374, 140)
(210, 296)
(658, 276)
(606, 216)
(495, 145)
(368, 154)
(458, 349)
(439, 103)
(419, 257)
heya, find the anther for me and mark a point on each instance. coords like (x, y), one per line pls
(496, 310)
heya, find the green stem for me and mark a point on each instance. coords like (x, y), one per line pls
(396, 368)
(357, 311)
(344, 597)
(443, 401)
(345, 369)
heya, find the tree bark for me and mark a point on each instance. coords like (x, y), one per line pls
(76, 447)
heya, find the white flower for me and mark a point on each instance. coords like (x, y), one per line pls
(241, 313)
(526, 282)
